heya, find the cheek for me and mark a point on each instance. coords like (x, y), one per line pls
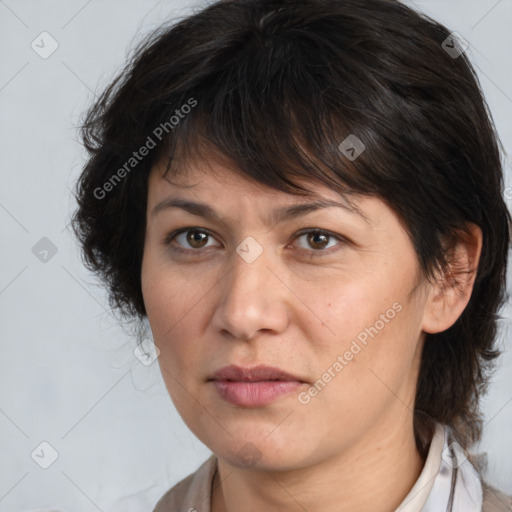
(168, 296)
(166, 302)
(173, 322)
(371, 327)
(348, 308)
(177, 306)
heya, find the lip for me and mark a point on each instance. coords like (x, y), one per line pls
(255, 374)
(254, 387)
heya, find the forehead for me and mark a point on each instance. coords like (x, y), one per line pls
(209, 188)
(216, 172)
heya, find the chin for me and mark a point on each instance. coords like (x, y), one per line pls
(261, 453)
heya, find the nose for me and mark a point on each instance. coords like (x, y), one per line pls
(251, 299)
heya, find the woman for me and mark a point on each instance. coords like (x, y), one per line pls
(304, 199)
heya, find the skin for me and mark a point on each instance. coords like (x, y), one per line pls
(352, 445)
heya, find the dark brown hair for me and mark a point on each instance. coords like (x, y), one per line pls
(276, 86)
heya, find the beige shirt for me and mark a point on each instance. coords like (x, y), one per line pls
(432, 492)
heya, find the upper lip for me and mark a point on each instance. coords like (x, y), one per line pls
(255, 374)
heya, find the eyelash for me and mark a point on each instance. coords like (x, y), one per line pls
(313, 254)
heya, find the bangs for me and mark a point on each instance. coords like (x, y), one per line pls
(270, 114)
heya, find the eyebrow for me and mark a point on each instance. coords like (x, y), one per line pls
(276, 216)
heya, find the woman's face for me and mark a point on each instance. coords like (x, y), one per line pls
(341, 308)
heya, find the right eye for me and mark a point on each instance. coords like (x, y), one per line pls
(193, 237)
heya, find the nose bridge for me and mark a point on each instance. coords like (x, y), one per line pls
(246, 280)
(249, 301)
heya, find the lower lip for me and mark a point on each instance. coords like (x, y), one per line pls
(254, 394)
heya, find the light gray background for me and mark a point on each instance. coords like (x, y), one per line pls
(67, 372)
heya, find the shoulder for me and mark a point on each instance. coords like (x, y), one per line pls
(193, 493)
(495, 500)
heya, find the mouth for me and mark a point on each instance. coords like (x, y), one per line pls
(254, 387)
(258, 373)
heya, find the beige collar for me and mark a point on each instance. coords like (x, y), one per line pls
(447, 476)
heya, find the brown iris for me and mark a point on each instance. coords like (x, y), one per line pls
(312, 240)
(197, 239)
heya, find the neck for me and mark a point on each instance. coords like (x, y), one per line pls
(381, 469)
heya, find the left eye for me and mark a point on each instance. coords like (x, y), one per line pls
(317, 239)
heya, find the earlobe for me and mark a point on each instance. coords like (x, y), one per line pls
(450, 294)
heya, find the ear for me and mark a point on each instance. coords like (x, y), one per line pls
(450, 294)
